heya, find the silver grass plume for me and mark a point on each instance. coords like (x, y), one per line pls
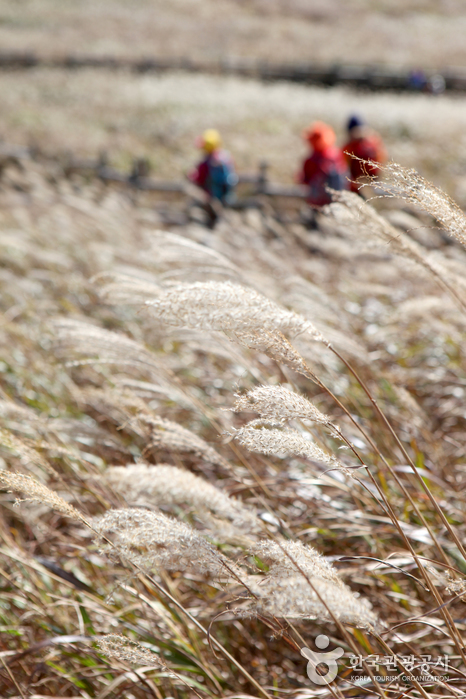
(151, 540)
(276, 346)
(20, 413)
(27, 454)
(417, 417)
(297, 576)
(121, 648)
(349, 209)
(284, 443)
(292, 597)
(228, 307)
(117, 287)
(444, 578)
(409, 185)
(122, 406)
(38, 492)
(242, 313)
(86, 340)
(455, 587)
(277, 404)
(169, 485)
(310, 299)
(168, 435)
(178, 253)
(290, 557)
(148, 390)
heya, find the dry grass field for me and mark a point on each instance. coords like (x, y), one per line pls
(425, 32)
(200, 498)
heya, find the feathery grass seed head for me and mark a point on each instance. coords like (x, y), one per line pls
(289, 557)
(169, 485)
(293, 597)
(121, 648)
(153, 540)
(365, 221)
(165, 434)
(276, 346)
(283, 443)
(277, 404)
(37, 492)
(86, 340)
(228, 307)
(411, 186)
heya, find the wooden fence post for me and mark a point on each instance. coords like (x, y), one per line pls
(262, 178)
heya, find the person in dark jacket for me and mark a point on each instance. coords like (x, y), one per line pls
(363, 145)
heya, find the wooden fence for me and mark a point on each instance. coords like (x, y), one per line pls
(254, 184)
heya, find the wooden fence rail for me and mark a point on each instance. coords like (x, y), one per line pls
(139, 179)
(139, 176)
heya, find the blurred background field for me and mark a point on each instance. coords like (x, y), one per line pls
(158, 116)
(429, 33)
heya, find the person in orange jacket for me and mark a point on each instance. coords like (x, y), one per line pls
(363, 144)
(324, 167)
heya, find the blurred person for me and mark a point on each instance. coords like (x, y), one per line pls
(436, 84)
(363, 144)
(215, 174)
(417, 80)
(325, 166)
